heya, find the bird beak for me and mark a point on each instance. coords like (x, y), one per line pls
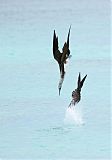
(59, 91)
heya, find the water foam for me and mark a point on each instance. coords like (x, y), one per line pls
(73, 115)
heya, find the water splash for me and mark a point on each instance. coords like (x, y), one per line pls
(73, 115)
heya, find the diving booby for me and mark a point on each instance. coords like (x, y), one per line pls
(76, 94)
(61, 57)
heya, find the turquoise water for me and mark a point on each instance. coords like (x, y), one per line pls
(34, 121)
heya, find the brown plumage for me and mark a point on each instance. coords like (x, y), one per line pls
(76, 94)
(61, 57)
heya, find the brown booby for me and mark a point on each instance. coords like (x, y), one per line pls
(76, 94)
(61, 57)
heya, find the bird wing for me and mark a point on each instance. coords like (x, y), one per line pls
(68, 37)
(64, 53)
(81, 83)
(56, 52)
(65, 49)
(79, 79)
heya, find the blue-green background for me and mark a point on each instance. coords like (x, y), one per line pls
(31, 112)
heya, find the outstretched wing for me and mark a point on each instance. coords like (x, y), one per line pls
(56, 52)
(79, 79)
(68, 37)
(66, 51)
(82, 82)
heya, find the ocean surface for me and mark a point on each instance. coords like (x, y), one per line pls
(35, 122)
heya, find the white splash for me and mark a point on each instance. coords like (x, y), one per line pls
(73, 115)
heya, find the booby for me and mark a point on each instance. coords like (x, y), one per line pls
(61, 57)
(76, 94)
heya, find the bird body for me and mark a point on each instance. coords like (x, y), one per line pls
(61, 58)
(76, 94)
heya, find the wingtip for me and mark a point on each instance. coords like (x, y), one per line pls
(54, 32)
(69, 30)
(70, 27)
(79, 77)
(85, 76)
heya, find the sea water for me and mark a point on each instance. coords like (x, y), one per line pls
(35, 122)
